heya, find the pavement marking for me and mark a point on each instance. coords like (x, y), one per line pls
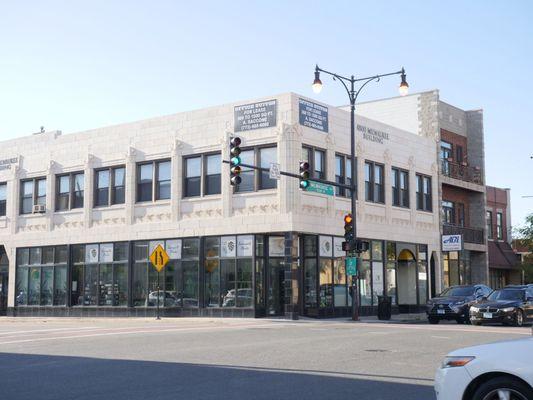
(140, 331)
(440, 337)
(44, 330)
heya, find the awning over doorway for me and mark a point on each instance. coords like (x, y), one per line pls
(501, 255)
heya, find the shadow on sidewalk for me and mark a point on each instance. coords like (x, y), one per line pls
(43, 377)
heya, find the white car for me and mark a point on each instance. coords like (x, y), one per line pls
(495, 371)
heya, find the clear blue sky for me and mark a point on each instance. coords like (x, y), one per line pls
(78, 65)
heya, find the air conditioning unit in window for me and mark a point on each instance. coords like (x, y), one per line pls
(38, 209)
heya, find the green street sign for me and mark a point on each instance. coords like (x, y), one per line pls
(321, 188)
(351, 266)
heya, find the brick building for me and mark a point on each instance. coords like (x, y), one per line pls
(504, 263)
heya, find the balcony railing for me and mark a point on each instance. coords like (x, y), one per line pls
(461, 171)
(470, 235)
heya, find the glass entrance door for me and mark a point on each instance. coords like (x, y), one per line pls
(276, 287)
(4, 268)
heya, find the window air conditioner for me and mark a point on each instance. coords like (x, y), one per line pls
(38, 208)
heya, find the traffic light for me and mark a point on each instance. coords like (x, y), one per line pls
(304, 175)
(235, 160)
(348, 245)
(361, 246)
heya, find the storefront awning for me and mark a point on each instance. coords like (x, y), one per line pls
(501, 255)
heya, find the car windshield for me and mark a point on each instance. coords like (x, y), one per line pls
(458, 291)
(507, 294)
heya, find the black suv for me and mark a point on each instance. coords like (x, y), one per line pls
(509, 306)
(454, 303)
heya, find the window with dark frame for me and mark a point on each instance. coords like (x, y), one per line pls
(70, 190)
(154, 171)
(459, 154)
(423, 193)
(343, 174)
(400, 187)
(202, 175)
(253, 180)
(32, 192)
(109, 188)
(448, 212)
(317, 161)
(3, 199)
(490, 231)
(374, 176)
(460, 214)
(499, 226)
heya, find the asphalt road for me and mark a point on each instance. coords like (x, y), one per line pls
(226, 358)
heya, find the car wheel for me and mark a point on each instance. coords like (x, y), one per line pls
(433, 321)
(519, 318)
(503, 388)
(460, 321)
(476, 323)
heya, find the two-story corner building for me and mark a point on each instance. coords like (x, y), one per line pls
(504, 263)
(459, 139)
(81, 213)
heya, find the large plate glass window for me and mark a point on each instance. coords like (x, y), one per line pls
(3, 199)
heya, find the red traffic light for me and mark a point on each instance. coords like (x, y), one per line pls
(235, 141)
(348, 219)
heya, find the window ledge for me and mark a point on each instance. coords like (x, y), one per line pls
(121, 206)
(165, 202)
(74, 211)
(207, 197)
(256, 193)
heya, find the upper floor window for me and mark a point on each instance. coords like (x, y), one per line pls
(423, 193)
(460, 214)
(3, 199)
(343, 174)
(317, 161)
(459, 156)
(32, 193)
(206, 165)
(69, 191)
(490, 232)
(253, 179)
(499, 226)
(448, 212)
(110, 186)
(374, 182)
(446, 155)
(400, 187)
(148, 173)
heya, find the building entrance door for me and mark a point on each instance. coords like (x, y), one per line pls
(276, 287)
(407, 282)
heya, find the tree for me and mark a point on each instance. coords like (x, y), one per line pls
(525, 233)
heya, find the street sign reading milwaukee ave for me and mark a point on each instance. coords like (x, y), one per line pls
(321, 188)
(159, 258)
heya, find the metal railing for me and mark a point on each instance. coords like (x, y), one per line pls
(461, 171)
(470, 235)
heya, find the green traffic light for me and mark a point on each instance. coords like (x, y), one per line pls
(304, 184)
(235, 160)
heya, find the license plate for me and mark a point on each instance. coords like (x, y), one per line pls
(487, 315)
(441, 312)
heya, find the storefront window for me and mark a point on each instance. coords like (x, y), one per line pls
(45, 282)
(326, 279)
(340, 290)
(365, 288)
(422, 282)
(391, 280)
(310, 283)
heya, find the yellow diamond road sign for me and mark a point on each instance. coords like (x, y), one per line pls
(159, 258)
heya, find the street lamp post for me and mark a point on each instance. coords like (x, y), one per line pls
(353, 93)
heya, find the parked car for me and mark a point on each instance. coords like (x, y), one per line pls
(509, 306)
(527, 286)
(454, 303)
(495, 371)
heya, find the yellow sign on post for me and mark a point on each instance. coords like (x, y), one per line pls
(159, 258)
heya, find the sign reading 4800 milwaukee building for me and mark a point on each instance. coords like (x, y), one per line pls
(255, 116)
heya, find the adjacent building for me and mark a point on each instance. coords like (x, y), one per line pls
(459, 141)
(504, 263)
